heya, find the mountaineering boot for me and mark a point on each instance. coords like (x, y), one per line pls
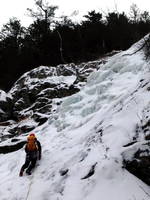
(28, 172)
(21, 173)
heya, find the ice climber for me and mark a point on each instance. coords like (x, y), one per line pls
(33, 152)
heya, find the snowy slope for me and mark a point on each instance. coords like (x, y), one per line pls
(83, 141)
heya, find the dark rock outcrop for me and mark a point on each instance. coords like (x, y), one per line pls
(32, 98)
(36, 88)
(10, 148)
(139, 162)
(137, 153)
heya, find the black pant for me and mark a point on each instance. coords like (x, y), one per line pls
(29, 162)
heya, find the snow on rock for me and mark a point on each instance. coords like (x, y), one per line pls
(3, 95)
(5, 106)
(38, 93)
(88, 137)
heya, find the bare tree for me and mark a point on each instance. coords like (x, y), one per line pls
(134, 13)
(43, 11)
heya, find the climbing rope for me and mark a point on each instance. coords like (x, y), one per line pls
(31, 182)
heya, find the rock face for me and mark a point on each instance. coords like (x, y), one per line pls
(137, 154)
(38, 93)
(34, 93)
(139, 164)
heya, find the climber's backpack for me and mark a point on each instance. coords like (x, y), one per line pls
(32, 143)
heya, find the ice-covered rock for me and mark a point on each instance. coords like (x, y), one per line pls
(38, 93)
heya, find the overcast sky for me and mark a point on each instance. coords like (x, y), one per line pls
(17, 8)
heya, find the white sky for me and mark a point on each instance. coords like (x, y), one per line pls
(17, 8)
